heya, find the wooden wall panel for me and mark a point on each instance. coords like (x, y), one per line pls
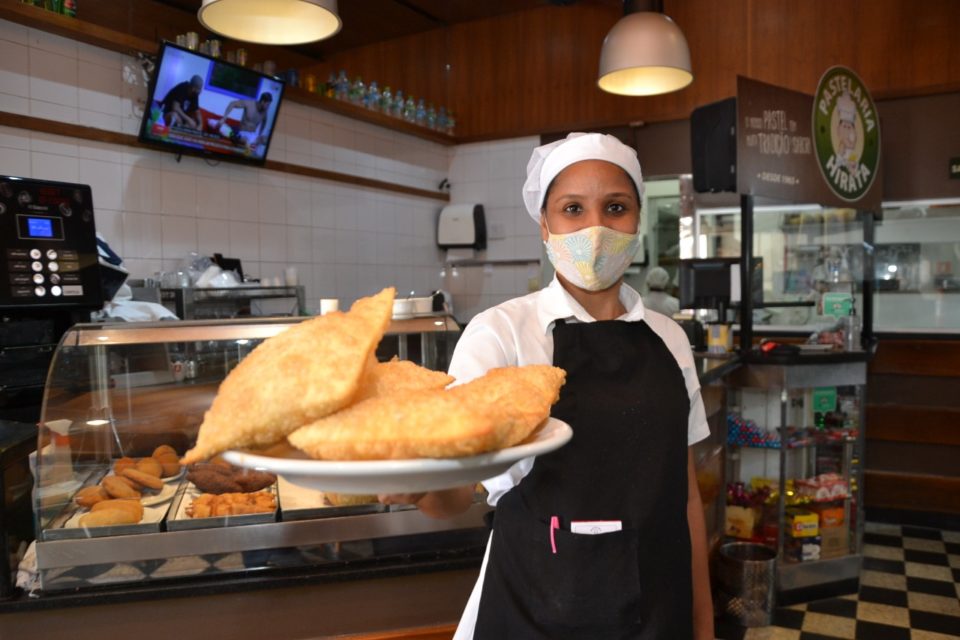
(917, 358)
(912, 493)
(535, 71)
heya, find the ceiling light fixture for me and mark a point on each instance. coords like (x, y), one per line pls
(281, 22)
(644, 54)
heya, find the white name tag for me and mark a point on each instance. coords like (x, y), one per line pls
(593, 527)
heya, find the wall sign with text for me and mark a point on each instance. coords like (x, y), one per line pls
(822, 149)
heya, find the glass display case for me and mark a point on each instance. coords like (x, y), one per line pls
(808, 251)
(794, 474)
(121, 391)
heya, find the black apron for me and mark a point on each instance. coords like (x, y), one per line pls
(626, 400)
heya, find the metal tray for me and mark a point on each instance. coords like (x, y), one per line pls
(180, 521)
(66, 526)
(300, 503)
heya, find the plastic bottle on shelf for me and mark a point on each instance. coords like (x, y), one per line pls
(357, 91)
(372, 99)
(431, 117)
(409, 110)
(451, 122)
(342, 85)
(851, 337)
(330, 89)
(420, 117)
(442, 119)
(386, 100)
(396, 109)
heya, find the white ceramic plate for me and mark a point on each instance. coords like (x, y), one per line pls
(165, 494)
(404, 476)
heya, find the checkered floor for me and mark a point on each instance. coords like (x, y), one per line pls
(909, 590)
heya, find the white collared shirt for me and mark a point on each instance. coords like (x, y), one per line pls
(520, 332)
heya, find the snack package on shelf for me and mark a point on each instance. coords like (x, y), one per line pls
(802, 549)
(801, 523)
(823, 488)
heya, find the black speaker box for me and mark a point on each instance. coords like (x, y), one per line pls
(713, 146)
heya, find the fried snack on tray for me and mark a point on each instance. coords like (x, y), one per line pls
(89, 496)
(398, 377)
(502, 407)
(108, 517)
(133, 507)
(119, 487)
(348, 499)
(143, 479)
(304, 373)
(231, 504)
(217, 479)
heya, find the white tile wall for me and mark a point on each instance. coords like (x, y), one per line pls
(492, 174)
(345, 241)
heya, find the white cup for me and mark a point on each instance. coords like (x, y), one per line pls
(290, 276)
(329, 304)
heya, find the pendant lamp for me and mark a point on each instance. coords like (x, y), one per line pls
(280, 22)
(644, 54)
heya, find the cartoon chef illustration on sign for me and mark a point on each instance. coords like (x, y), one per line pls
(846, 139)
(846, 134)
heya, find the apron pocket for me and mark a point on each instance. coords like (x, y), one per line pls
(591, 581)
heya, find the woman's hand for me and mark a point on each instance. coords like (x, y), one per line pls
(400, 498)
(445, 503)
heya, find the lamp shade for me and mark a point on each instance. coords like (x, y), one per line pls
(644, 54)
(271, 21)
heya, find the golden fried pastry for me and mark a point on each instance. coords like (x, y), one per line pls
(107, 517)
(304, 373)
(398, 377)
(520, 397)
(133, 507)
(89, 496)
(144, 479)
(348, 499)
(426, 424)
(231, 504)
(150, 466)
(122, 464)
(169, 460)
(119, 487)
(164, 450)
(497, 410)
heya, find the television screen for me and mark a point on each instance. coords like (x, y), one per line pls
(204, 106)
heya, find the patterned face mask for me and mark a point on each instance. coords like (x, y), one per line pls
(593, 258)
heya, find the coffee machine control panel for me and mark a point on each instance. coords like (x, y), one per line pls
(48, 245)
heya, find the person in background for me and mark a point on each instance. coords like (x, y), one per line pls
(632, 398)
(253, 119)
(657, 297)
(181, 105)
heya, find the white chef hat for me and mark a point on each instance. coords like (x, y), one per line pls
(657, 279)
(550, 159)
(846, 108)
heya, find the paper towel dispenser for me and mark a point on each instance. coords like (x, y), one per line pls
(462, 226)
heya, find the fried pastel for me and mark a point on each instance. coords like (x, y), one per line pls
(399, 377)
(424, 424)
(519, 397)
(310, 370)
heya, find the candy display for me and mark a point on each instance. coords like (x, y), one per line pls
(746, 433)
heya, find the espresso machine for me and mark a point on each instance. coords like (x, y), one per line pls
(50, 279)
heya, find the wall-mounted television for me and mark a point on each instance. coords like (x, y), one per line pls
(205, 106)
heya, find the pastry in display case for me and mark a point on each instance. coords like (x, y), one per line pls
(114, 505)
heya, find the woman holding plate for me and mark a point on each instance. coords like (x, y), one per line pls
(603, 538)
